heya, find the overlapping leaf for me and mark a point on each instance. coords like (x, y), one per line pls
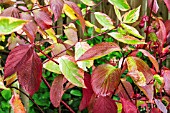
(125, 39)
(11, 12)
(161, 106)
(71, 71)
(166, 76)
(10, 24)
(167, 2)
(128, 106)
(155, 5)
(120, 4)
(105, 78)
(104, 20)
(99, 50)
(71, 34)
(52, 66)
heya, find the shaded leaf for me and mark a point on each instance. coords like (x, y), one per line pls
(87, 92)
(58, 48)
(167, 2)
(155, 5)
(71, 34)
(43, 19)
(71, 71)
(99, 50)
(104, 20)
(56, 91)
(105, 79)
(104, 105)
(128, 106)
(120, 4)
(16, 104)
(29, 74)
(166, 76)
(11, 12)
(88, 2)
(52, 66)
(132, 30)
(132, 16)
(125, 39)
(56, 6)
(155, 110)
(10, 24)
(161, 106)
(16, 58)
(76, 92)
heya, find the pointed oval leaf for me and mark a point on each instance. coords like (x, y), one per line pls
(125, 39)
(131, 16)
(71, 71)
(166, 76)
(52, 66)
(155, 5)
(11, 12)
(29, 74)
(16, 58)
(118, 14)
(105, 79)
(16, 104)
(10, 24)
(88, 2)
(161, 106)
(120, 4)
(132, 30)
(56, 91)
(104, 105)
(71, 34)
(128, 106)
(99, 50)
(104, 20)
(56, 6)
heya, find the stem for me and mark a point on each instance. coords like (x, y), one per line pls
(29, 98)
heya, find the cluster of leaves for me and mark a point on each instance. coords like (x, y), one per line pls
(124, 83)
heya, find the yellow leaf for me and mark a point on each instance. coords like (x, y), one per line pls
(69, 12)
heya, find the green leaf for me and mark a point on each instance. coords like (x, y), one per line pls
(71, 71)
(132, 30)
(88, 2)
(125, 39)
(120, 4)
(76, 93)
(10, 24)
(132, 16)
(6, 94)
(118, 14)
(52, 66)
(104, 20)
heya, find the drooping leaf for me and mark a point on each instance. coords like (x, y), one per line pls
(99, 50)
(118, 14)
(52, 66)
(155, 5)
(16, 58)
(42, 19)
(87, 92)
(104, 105)
(128, 106)
(71, 34)
(104, 20)
(10, 24)
(167, 2)
(131, 16)
(56, 91)
(151, 58)
(132, 30)
(120, 4)
(166, 76)
(30, 73)
(80, 49)
(161, 106)
(30, 28)
(105, 79)
(88, 2)
(125, 39)
(71, 71)
(56, 6)
(16, 104)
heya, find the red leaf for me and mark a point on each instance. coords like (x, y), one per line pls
(161, 106)
(56, 6)
(155, 5)
(42, 19)
(56, 90)
(16, 104)
(99, 50)
(128, 106)
(30, 28)
(16, 58)
(167, 2)
(87, 92)
(11, 12)
(166, 76)
(167, 26)
(78, 13)
(104, 105)
(155, 110)
(29, 74)
(105, 78)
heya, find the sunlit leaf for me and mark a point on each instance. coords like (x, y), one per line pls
(125, 39)
(120, 4)
(132, 30)
(105, 78)
(69, 12)
(88, 2)
(131, 16)
(52, 66)
(71, 71)
(10, 24)
(51, 35)
(104, 20)
(161, 106)
(99, 50)
(118, 14)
